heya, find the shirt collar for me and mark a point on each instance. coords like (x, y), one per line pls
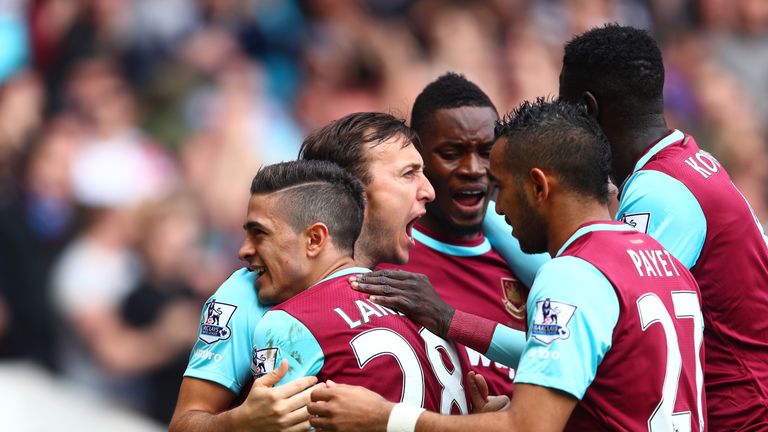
(591, 227)
(673, 137)
(344, 272)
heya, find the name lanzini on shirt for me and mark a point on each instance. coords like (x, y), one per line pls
(366, 309)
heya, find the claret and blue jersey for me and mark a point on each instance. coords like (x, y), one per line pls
(683, 197)
(334, 332)
(615, 321)
(222, 353)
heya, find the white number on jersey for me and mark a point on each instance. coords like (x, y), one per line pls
(380, 341)
(652, 310)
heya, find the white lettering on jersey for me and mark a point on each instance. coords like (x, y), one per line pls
(703, 163)
(207, 355)
(477, 359)
(652, 262)
(366, 309)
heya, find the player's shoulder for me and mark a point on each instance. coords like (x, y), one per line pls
(567, 266)
(650, 182)
(239, 287)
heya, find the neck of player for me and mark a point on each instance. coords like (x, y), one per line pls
(331, 267)
(630, 139)
(567, 214)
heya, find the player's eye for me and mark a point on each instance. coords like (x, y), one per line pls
(449, 155)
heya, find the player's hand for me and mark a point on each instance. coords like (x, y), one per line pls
(272, 409)
(348, 408)
(409, 293)
(481, 400)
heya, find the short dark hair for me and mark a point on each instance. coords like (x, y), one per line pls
(316, 191)
(343, 141)
(620, 65)
(559, 136)
(450, 90)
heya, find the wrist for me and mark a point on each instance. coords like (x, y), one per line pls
(403, 418)
(446, 317)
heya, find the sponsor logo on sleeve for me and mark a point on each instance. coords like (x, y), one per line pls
(638, 221)
(215, 323)
(551, 320)
(264, 361)
(513, 298)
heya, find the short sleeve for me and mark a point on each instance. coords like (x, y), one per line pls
(664, 208)
(573, 310)
(280, 336)
(222, 353)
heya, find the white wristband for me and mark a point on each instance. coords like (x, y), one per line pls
(403, 418)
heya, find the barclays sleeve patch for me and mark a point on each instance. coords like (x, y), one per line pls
(264, 361)
(638, 221)
(215, 323)
(551, 320)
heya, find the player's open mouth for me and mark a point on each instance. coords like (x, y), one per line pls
(469, 198)
(259, 270)
(409, 228)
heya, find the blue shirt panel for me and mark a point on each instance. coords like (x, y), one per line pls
(507, 345)
(499, 234)
(674, 217)
(588, 311)
(227, 360)
(294, 342)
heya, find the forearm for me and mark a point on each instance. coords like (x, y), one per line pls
(202, 421)
(487, 422)
(497, 342)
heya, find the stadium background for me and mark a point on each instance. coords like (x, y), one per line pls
(130, 130)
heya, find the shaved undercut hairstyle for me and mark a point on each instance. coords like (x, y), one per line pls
(345, 141)
(560, 137)
(622, 66)
(450, 90)
(316, 191)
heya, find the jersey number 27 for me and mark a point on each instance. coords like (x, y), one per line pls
(652, 310)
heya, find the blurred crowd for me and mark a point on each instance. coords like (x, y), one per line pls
(130, 131)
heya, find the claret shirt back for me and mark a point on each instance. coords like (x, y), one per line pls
(334, 332)
(683, 197)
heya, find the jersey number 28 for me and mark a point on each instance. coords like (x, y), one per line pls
(382, 341)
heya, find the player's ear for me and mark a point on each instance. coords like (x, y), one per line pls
(539, 185)
(592, 106)
(316, 236)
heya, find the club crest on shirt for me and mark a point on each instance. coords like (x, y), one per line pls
(638, 221)
(214, 325)
(551, 320)
(264, 361)
(513, 298)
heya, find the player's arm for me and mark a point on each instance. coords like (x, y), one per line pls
(499, 234)
(662, 207)
(349, 408)
(219, 365)
(202, 406)
(546, 388)
(413, 295)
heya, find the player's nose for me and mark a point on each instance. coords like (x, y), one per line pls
(426, 191)
(246, 251)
